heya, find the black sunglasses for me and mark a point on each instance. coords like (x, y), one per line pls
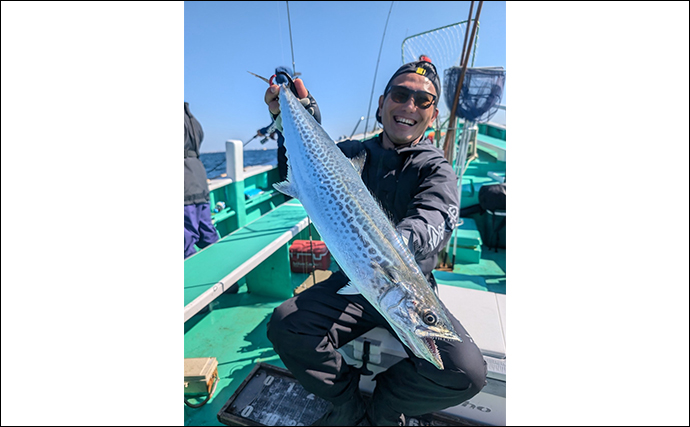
(422, 99)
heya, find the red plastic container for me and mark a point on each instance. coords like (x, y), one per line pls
(301, 256)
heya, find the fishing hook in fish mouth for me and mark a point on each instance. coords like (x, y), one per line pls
(291, 82)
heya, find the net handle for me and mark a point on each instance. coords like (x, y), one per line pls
(450, 135)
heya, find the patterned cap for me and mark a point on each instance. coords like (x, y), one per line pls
(423, 68)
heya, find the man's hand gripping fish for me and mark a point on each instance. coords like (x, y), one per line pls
(359, 235)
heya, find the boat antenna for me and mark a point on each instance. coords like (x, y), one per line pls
(294, 71)
(366, 125)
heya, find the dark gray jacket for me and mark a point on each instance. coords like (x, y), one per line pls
(195, 185)
(418, 188)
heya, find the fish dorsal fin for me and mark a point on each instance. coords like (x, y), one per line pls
(348, 289)
(358, 162)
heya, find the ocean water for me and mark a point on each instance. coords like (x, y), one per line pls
(215, 162)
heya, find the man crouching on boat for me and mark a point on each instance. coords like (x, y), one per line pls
(418, 187)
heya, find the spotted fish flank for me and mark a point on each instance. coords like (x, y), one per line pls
(359, 234)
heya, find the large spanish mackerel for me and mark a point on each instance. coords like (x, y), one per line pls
(358, 233)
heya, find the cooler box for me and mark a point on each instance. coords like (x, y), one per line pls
(301, 256)
(200, 374)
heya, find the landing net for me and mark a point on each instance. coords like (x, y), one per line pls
(444, 46)
(480, 96)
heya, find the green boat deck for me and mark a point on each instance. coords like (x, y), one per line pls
(232, 328)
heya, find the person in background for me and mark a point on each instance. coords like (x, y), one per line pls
(282, 158)
(198, 227)
(418, 188)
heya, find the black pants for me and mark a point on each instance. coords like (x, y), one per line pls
(307, 329)
(282, 161)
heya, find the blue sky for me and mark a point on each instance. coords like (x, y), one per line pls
(336, 46)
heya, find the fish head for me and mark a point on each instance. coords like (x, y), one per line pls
(419, 318)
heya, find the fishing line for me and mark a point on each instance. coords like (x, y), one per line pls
(366, 125)
(215, 167)
(280, 34)
(294, 71)
(292, 86)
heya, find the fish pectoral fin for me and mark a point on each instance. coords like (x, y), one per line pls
(348, 289)
(358, 162)
(286, 188)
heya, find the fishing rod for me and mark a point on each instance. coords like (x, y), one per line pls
(292, 87)
(356, 126)
(450, 135)
(373, 85)
(263, 141)
(294, 70)
(250, 140)
(272, 128)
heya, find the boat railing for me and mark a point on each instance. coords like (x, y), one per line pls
(242, 195)
(234, 258)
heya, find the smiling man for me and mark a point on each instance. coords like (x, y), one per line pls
(413, 105)
(418, 188)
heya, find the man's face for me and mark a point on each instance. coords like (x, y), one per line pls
(405, 123)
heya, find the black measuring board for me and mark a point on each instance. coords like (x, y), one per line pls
(271, 396)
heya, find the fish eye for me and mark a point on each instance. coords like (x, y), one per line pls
(429, 318)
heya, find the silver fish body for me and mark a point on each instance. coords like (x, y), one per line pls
(359, 234)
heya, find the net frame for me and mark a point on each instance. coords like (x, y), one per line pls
(444, 46)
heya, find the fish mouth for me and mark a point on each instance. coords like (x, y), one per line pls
(433, 349)
(429, 338)
(430, 344)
